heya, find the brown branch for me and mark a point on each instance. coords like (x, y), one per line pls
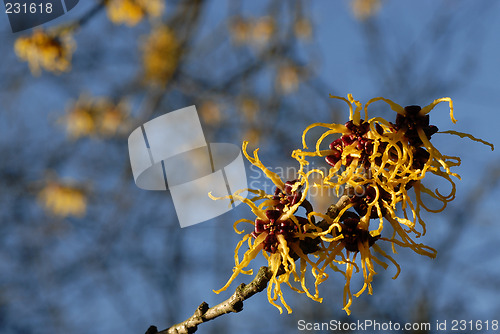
(335, 209)
(234, 303)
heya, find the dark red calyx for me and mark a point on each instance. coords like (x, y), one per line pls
(353, 234)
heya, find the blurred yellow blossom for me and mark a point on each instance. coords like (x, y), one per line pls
(240, 30)
(252, 135)
(287, 78)
(249, 107)
(303, 28)
(364, 9)
(263, 30)
(94, 116)
(131, 12)
(210, 112)
(112, 118)
(63, 199)
(45, 50)
(161, 52)
(79, 122)
(254, 31)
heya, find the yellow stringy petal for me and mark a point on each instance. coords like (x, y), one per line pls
(346, 101)
(384, 254)
(347, 287)
(425, 110)
(256, 162)
(247, 258)
(471, 137)
(247, 201)
(338, 127)
(241, 221)
(394, 106)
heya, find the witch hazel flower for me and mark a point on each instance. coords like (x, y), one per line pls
(280, 234)
(391, 158)
(380, 167)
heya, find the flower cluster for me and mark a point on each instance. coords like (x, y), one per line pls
(95, 117)
(63, 198)
(364, 9)
(161, 52)
(259, 31)
(379, 166)
(131, 12)
(255, 31)
(46, 50)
